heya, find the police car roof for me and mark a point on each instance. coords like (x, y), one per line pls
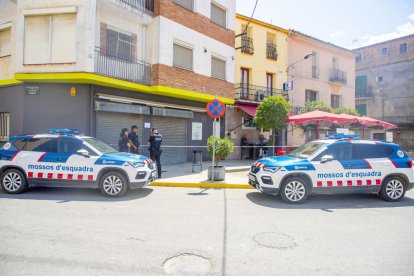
(331, 141)
(47, 136)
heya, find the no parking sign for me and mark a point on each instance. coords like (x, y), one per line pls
(215, 108)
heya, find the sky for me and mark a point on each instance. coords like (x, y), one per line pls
(347, 23)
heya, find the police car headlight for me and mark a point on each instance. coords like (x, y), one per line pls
(271, 169)
(136, 164)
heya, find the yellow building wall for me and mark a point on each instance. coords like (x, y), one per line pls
(257, 62)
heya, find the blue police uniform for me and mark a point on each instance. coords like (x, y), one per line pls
(155, 150)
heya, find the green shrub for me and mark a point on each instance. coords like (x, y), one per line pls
(223, 148)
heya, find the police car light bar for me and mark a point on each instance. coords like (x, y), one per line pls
(342, 136)
(65, 131)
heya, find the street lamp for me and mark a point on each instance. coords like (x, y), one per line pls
(305, 57)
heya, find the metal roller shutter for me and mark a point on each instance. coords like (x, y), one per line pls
(173, 131)
(110, 124)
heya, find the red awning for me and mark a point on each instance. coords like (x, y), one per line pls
(249, 109)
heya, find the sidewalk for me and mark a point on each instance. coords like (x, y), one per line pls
(181, 175)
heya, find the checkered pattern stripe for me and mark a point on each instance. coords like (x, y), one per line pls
(349, 183)
(60, 176)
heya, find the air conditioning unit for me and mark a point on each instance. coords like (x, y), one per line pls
(261, 95)
(378, 79)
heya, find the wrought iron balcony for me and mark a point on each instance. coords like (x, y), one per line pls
(145, 6)
(254, 93)
(337, 76)
(247, 44)
(271, 51)
(130, 70)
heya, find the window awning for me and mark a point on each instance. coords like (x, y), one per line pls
(249, 109)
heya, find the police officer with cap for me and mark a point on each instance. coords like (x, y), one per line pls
(155, 149)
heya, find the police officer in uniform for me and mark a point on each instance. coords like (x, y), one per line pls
(155, 149)
(134, 139)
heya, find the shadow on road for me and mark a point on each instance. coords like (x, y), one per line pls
(329, 202)
(63, 195)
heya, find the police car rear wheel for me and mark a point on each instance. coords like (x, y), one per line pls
(294, 190)
(13, 181)
(393, 189)
(113, 184)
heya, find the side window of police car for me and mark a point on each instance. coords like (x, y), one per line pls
(369, 151)
(41, 145)
(338, 152)
(71, 146)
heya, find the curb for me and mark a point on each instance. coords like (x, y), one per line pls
(201, 185)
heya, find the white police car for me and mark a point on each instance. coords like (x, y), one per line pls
(64, 158)
(335, 166)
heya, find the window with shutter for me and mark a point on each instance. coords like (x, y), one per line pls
(218, 15)
(63, 38)
(36, 40)
(5, 42)
(218, 68)
(360, 86)
(182, 57)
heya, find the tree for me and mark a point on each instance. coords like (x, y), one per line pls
(272, 114)
(223, 148)
(346, 110)
(315, 105)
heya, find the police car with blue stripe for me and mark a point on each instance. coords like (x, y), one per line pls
(339, 164)
(65, 158)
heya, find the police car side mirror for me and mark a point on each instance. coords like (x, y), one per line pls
(83, 153)
(326, 158)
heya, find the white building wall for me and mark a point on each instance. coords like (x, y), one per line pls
(170, 31)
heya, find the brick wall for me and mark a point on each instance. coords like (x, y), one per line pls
(184, 79)
(194, 21)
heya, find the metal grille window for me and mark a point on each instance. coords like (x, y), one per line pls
(247, 39)
(183, 57)
(4, 126)
(311, 95)
(118, 45)
(335, 101)
(188, 4)
(218, 15)
(218, 68)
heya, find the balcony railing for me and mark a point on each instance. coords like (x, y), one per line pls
(145, 6)
(130, 70)
(271, 51)
(337, 76)
(247, 44)
(254, 93)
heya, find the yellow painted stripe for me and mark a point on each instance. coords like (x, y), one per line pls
(90, 78)
(9, 82)
(201, 185)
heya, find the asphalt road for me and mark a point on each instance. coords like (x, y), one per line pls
(159, 230)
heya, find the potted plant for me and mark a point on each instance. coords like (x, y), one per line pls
(223, 148)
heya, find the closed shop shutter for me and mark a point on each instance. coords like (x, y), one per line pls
(173, 131)
(110, 124)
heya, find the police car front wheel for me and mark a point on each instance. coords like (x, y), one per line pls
(113, 184)
(294, 190)
(13, 181)
(393, 189)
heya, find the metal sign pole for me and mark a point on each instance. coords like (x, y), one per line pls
(214, 148)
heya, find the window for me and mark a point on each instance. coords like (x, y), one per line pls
(311, 95)
(269, 82)
(335, 101)
(5, 42)
(218, 15)
(247, 39)
(335, 64)
(403, 48)
(218, 68)
(188, 4)
(384, 52)
(41, 145)
(360, 86)
(71, 146)
(358, 58)
(118, 45)
(365, 151)
(19, 144)
(271, 49)
(183, 57)
(50, 39)
(362, 109)
(379, 79)
(244, 80)
(315, 65)
(4, 126)
(338, 152)
(248, 122)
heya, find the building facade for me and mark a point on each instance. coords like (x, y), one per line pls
(99, 66)
(385, 87)
(260, 71)
(319, 71)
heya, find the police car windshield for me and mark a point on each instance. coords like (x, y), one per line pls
(99, 145)
(306, 150)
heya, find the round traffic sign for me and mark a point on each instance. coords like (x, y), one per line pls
(215, 108)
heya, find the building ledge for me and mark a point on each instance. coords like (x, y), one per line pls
(90, 78)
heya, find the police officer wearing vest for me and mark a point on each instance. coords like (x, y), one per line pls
(155, 149)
